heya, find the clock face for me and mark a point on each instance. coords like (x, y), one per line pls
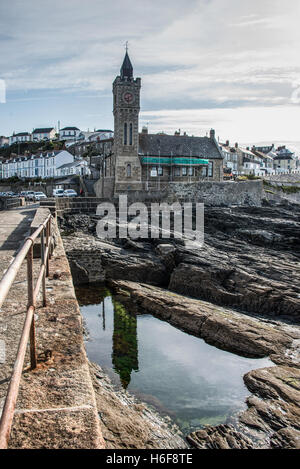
(128, 97)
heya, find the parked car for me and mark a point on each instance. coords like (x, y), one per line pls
(29, 195)
(39, 196)
(58, 193)
(70, 193)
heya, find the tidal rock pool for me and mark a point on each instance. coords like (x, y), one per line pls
(178, 374)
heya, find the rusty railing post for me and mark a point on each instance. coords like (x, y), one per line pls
(28, 332)
(47, 245)
(50, 239)
(43, 264)
(30, 287)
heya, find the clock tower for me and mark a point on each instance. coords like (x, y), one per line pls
(126, 95)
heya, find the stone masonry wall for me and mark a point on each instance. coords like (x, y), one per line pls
(224, 193)
(219, 194)
(108, 189)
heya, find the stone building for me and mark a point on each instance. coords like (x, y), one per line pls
(143, 161)
(284, 161)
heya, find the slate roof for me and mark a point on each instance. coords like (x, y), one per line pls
(69, 128)
(126, 69)
(178, 145)
(46, 154)
(262, 155)
(69, 165)
(284, 157)
(21, 134)
(45, 130)
(264, 149)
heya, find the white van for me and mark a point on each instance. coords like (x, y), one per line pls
(58, 193)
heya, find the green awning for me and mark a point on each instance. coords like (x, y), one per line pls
(167, 160)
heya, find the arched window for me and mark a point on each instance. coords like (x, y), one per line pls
(125, 133)
(130, 134)
(128, 170)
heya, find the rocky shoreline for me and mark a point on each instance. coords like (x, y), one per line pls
(273, 415)
(252, 273)
(250, 259)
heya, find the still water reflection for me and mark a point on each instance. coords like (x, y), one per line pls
(180, 375)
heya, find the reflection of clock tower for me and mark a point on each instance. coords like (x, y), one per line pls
(126, 91)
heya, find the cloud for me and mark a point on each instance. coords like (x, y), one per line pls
(239, 124)
(203, 55)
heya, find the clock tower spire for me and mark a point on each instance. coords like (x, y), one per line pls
(126, 93)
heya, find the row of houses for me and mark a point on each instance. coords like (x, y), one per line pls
(259, 160)
(68, 134)
(54, 164)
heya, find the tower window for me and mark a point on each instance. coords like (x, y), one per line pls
(125, 133)
(130, 134)
(128, 170)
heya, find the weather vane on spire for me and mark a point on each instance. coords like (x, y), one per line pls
(126, 46)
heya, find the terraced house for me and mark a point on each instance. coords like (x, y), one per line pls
(43, 165)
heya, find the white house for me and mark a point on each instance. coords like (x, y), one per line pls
(69, 133)
(100, 134)
(4, 141)
(43, 165)
(266, 162)
(252, 167)
(41, 134)
(20, 138)
(78, 167)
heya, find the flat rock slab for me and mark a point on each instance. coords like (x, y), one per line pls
(227, 329)
(72, 428)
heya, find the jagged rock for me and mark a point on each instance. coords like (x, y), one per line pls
(219, 437)
(261, 237)
(286, 438)
(250, 257)
(104, 260)
(274, 408)
(76, 222)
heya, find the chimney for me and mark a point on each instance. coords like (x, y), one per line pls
(145, 130)
(227, 143)
(236, 145)
(212, 134)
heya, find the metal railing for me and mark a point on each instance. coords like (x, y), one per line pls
(28, 332)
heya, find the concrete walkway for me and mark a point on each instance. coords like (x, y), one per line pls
(56, 406)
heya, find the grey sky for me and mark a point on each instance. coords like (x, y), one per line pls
(228, 64)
